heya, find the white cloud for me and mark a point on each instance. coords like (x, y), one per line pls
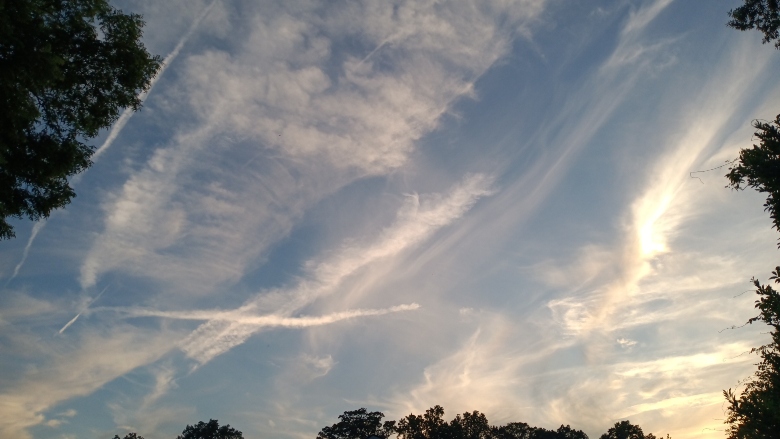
(96, 359)
(307, 115)
(416, 222)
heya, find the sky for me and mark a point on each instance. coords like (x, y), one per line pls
(486, 205)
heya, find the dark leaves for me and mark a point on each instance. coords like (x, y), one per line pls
(67, 70)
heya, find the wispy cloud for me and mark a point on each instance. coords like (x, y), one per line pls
(415, 223)
(319, 114)
(128, 113)
(83, 309)
(262, 321)
(77, 372)
(36, 228)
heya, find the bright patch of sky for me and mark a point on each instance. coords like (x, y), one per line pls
(485, 205)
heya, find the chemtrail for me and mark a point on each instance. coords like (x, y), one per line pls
(119, 125)
(270, 320)
(36, 228)
(128, 113)
(73, 320)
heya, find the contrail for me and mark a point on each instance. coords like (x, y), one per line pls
(119, 125)
(128, 113)
(269, 320)
(73, 320)
(36, 228)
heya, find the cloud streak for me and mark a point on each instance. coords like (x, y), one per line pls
(36, 228)
(259, 321)
(416, 222)
(119, 125)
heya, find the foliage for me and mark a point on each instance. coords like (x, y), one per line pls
(756, 412)
(521, 430)
(431, 425)
(626, 430)
(514, 430)
(67, 69)
(759, 167)
(472, 425)
(566, 432)
(427, 426)
(358, 424)
(763, 15)
(129, 436)
(210, 430)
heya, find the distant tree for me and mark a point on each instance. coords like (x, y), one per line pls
(514, 430)
(431, 425)
(755, 414)
(129, 436)
(759, 167)
(210, 430)
(67, 69)
(625, 430)
(358, 424)
(472, 425)
(566, 432)
(763, 15)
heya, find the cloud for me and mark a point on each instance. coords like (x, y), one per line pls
(635, 289)
(300, 113)
(166, 62)
(97, 358)
(419, 219)
(633, 46)
(261, 321)
(36, 228)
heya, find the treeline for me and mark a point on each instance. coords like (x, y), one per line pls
(755, 412)
(362, 424)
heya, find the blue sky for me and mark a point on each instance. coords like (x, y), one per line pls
(324, 206)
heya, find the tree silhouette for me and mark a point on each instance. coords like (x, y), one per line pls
(759, 167)
(763, 15)
(472, 425)
(358, 424)
(210, 430)
(67, 69)
(514, 430)
(430, 425)
(755, 414)
(625, 430)
(566, 432)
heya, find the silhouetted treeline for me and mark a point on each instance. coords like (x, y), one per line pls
(201, 430)
(362, 424)
(755, 412)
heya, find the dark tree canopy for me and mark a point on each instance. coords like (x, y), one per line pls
(67, 70)
(625, 430)
(759, 167)
(763, 15)
(755, 414)
(472, 425)
(130, 436)
(514, 430)
(210, 430)
(521, 430)
(427, 426)
(566, 432)
(358, 424)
